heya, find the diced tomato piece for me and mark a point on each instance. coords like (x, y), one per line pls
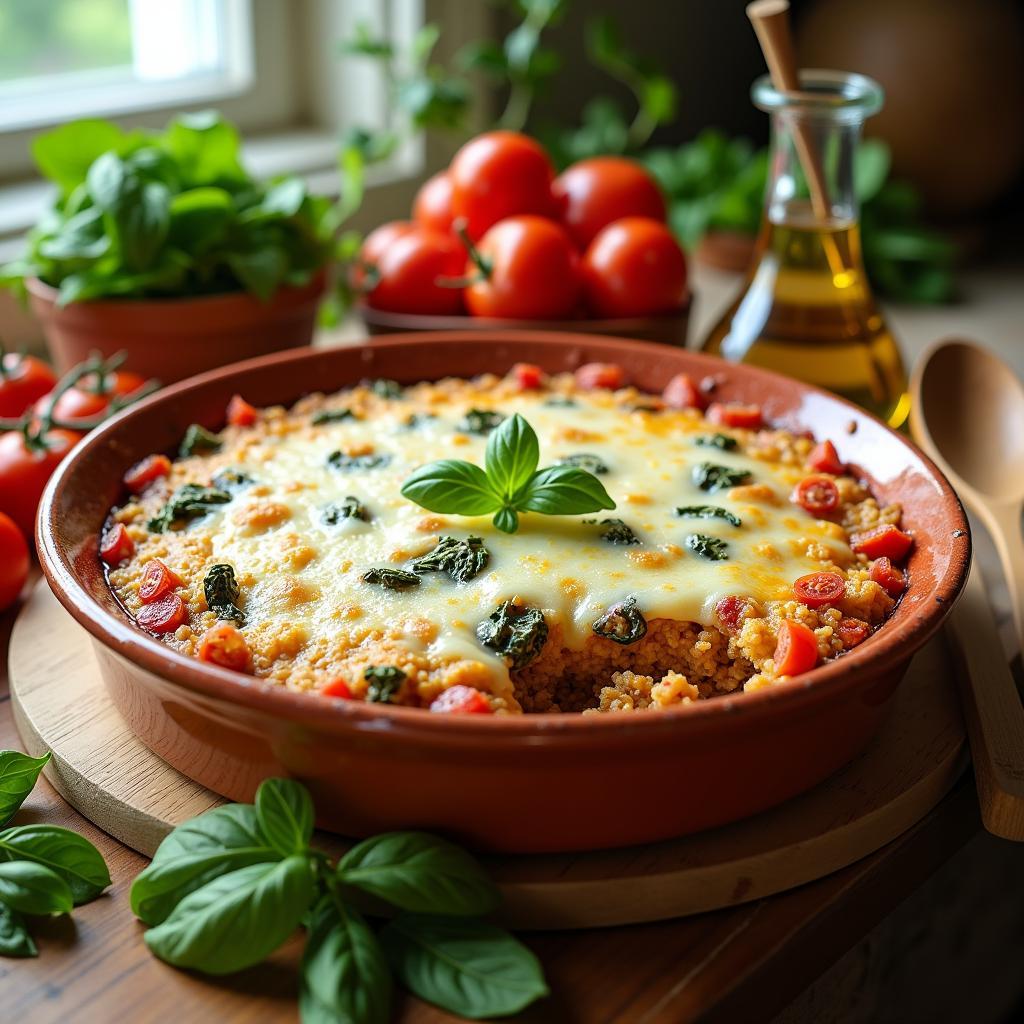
(825, 459)
(163, 616)
(241, 413)
(143, 473)
(157, 581)
(337, 688)
(817, 495)
(682, 392)
(853, 632)
(461, 700)
(882, 541)
(591, 376)
(224, 645)
(731, 414)
(116, 546)
(528, 376)
(887, 576)
(730, 612)
(797, 649)
(819, 589)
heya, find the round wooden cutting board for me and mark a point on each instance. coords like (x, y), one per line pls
(104, 771)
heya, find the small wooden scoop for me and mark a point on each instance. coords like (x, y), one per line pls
(967, 413)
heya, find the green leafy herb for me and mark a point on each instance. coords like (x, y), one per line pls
(18, 774)
(384, 388)
(14, 937)
(332, 416)
(615, 531)
(710, 477)
(222, 593)
(472, 968)
(350, 507)
(385, 682)
(64, 852)
(190, 501)
(591, 463)
(623, 622)
(393, 579)
(714, 549)
(351, 463)
(510, 484)
(31, 888)
(231, 480)
(284, 814)
(722, 442)
(462, 560)
(480, 421)
(517, 632)
(198, 439)
(708, 512)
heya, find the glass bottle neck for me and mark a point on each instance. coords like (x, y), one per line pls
(810, 180)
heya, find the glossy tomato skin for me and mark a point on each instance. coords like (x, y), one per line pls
(75, 405)
(733, 414)
(24, 380)
(818, 589)
(240, 413)
(461, 700)
(683, 392)
(634, 267)
(825, 459)
(224, 645)
(528, 376)
(593, 193)
(144, 472)
(591, 376)
(163, 616)
(797, 649)
(337, 688)
(373, 247)
(13, 562)
(24, 472)
(887, 576)
(882, 541)
(817, 494)
(408, 271)
(497, 175)
(432, 207)
(533, 272)
(158, 581)
(116, 546)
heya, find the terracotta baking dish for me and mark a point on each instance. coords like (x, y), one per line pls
(532, 783)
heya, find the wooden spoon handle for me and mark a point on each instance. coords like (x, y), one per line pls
(1004, 523)
(993, 712)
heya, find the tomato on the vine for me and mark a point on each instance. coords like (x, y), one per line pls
(409, 269)
(13, 562)
(497, 175)
(593, 193)
(23, 379)
(432, 207)
(24, 470)
(75, 405)
(526, 269)
(634, 267)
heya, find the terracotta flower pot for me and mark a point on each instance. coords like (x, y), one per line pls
(171, 339)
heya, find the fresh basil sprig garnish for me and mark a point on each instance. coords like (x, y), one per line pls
(509, 484)
(44, 869)
(224, 890)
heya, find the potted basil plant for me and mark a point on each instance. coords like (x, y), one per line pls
(163, 246)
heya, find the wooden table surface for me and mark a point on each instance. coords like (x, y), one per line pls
(742, 964)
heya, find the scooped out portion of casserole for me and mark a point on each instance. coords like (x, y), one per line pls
(506, 544)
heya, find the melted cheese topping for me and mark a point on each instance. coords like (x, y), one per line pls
(559, 564)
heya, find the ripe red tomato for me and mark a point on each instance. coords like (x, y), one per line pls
(591, 376)
(432, 207)
(797, 649)
(408, 271)
(224, 645)
(23, 379)
(853, 632)
(882, 541)
(497, 175)
(75, 405)
(732, 414)
(461, 700)
(528, 376)
(163, 616)
(532, 271)
(241, 413)
(144, 472)
(118, 383)
(373, 248)
(158, 581)
(116, 546)
(817, 495)
(818, 589)
(825, 459)
(682, 392)
(887, 576)
(13, 562)
(730, 611)
(24, 472)
(593, 193)
(634, 267)
(337, 688)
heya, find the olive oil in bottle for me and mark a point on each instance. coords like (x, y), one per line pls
(806, 308)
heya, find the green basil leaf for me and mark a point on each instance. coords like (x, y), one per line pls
(284, 198)
(65, 154)
(198, 218)
(142, 225)
(284, 811)
(465, 966)
(194, 854)
(236, 920)
(205, 148)
(563, 491)
(81, 237)
(14, 937)
(18, 774)
(260, 269)
(109, 180)
(452, 485)
(33, 889)
(345, 976)
(64, 852)
(506, 520)
(512, 455)
(419, 872)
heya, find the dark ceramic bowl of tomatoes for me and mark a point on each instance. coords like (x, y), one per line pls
(503, 782)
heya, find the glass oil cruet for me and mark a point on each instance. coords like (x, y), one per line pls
(806, 307)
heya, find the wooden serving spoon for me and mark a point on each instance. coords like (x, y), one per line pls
(967, 413)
